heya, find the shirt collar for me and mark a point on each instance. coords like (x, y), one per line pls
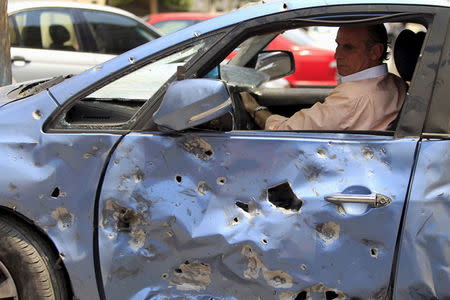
(373, 72)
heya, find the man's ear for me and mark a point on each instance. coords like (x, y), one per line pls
(376, 51)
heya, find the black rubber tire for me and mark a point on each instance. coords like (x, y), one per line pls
(32, 264)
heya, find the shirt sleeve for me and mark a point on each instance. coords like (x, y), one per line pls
(334, 114)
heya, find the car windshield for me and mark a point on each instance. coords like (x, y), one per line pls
(300, 37)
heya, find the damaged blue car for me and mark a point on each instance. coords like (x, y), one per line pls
(145, 178)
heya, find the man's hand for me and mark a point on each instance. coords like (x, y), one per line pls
(249, 102)
(250, 105)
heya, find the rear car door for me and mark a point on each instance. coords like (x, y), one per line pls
(108, 34)
(424, 249)
(34, 52)
(248, 214)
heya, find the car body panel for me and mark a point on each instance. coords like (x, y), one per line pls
(169, 219)
(424, 253)
(35, 164)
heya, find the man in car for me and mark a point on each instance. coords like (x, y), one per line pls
(367, 98)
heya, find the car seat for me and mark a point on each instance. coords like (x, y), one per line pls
(31, 37)
(406, 52)
(59, 35)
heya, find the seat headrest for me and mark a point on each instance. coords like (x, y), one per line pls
(406, 52)
(59, 34)
(31, 37)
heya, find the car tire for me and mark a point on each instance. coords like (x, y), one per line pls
(29, 268)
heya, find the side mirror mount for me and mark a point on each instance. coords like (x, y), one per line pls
(276, 64)
(192, 102)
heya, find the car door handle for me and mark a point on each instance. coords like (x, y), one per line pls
(374, 200)
(19, 60)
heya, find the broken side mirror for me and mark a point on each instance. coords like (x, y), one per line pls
(192, 102)
(276, 64)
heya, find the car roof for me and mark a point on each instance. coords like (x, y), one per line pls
(269, 7)
(18, 5)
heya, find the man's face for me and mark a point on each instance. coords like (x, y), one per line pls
(352, 54)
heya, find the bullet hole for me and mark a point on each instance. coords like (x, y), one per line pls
(242, 205)
(63, 217)
(138, 176)
(192, 276)
(302, 295)
(236, 220)
(55, 193)
(178, 178)
(285, 6)
(330, 295)
(124, 220)
(37, 114)
(374, 252)
(221, 180)
(283, 196)
(131, 59)
(264, 241)
(165, 276)
(303, 267)
(202, 188)
(328, 232)
(367, 153)
(186, 262)
(322, 153)
(199, 148)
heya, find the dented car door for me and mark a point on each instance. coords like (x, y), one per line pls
(198, 213)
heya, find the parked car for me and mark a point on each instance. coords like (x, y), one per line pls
(173, 21)
(314, 64)
(51, 38)
(144, 178)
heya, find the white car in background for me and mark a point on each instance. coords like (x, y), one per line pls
(52, 38)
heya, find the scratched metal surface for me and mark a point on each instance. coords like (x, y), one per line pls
(169, 225)
(423, 270)
(34, 164)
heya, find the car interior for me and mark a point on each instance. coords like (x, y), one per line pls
(60, 35)
(115, 112)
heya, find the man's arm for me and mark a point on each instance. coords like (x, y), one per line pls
(250, 104)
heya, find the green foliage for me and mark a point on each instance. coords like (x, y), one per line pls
(119, 2)
(176, 5)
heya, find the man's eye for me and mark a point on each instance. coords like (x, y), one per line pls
(348, 47)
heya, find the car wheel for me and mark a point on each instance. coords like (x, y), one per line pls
(28, 267)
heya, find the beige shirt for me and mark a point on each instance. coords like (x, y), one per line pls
(367, 104)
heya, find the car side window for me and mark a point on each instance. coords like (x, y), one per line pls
(44, 29)
(115, 104)
(116, 34)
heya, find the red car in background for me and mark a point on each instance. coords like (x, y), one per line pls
(313, 65)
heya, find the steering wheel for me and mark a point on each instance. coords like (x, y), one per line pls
(241, 118)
